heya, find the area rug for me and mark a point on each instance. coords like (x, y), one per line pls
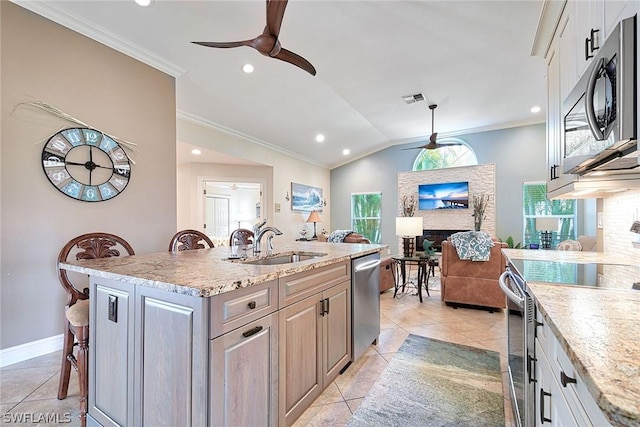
(435, 383)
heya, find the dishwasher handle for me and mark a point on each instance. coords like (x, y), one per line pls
(367, 265)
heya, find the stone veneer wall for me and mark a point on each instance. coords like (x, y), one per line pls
(481, 180)
(619, 212)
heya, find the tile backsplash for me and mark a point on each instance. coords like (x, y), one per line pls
(619, 212)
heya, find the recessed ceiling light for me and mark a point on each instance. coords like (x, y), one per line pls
(536, 109)
(346, 152)
(247, 68)
(143, 3)
(319, 137)
(196, 152)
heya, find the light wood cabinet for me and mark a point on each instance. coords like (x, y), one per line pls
(315, 335)
(257, 356)
(336, 331)
(300, 357)
(112, 337)
(148, 356)
(171, 359)
(244, 375)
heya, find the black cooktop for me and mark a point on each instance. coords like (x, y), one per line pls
(569, 273)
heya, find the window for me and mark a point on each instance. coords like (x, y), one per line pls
(365, 215)
(457, 154)
(536, 205)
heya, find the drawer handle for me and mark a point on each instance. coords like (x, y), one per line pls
(252, 305)
(542, 417)
(531, 363)
(252, 331)
(565, 379)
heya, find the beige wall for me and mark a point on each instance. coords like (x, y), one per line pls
(114, 93)
(190, 195)
(285, 169)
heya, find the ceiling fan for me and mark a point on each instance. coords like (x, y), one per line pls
(432, 145)
(268, 43)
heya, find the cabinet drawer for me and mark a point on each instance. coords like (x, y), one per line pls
(579, 398)
(236, 308)
(301, 285)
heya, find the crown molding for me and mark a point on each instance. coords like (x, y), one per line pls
(210, 124)
(49, 10)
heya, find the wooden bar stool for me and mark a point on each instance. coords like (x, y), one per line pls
(86, 246)
(187, 240)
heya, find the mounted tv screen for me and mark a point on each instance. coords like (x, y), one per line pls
(446, 195)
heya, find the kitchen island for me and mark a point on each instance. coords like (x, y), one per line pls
(587, 352)
(194, 338)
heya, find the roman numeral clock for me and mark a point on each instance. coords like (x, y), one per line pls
(86, 164)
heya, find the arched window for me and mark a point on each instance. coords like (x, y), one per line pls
(458, 153)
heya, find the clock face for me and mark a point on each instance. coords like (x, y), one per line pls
(86, 164)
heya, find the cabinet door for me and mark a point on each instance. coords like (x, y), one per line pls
(171, 355)
(336, 330)
(553, 115)
(300, 357)
(567, 42)
(551, 406)
(589, 31)
(243, 371)
(110, 379)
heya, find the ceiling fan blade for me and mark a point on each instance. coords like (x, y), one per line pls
(275, 13)
(422, 147)
(297, 60)
(226, 44)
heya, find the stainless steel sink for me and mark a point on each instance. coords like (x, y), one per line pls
(284, 258)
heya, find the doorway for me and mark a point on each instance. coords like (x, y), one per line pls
(230, 205)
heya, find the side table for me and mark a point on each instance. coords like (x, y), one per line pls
(425, 267)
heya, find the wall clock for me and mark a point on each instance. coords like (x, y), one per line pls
(85, 164)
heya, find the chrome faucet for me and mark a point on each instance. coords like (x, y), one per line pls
(256, 228)
(257, 238)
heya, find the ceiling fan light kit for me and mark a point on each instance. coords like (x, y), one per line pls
(268, 43)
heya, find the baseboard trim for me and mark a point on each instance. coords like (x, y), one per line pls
(22, 352)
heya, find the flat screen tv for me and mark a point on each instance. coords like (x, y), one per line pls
(445, 195)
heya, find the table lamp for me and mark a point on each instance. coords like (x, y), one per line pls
(408, 227)
(546, 227)
(314, 217)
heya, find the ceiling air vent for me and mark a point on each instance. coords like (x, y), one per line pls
(410, 99)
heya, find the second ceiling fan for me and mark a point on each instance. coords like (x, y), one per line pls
(432, 144)
(268, 43)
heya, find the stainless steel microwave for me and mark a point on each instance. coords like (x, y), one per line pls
(600, 130)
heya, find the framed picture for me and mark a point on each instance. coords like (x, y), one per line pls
(306, 198)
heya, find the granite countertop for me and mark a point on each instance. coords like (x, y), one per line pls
(598, 329)
(208, 272)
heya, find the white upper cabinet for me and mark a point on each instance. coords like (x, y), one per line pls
(588, 16)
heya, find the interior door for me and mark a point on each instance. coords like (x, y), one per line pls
(217, 216)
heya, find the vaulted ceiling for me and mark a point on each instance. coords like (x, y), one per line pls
(472, 58)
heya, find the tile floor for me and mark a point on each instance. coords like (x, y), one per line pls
(29, 388)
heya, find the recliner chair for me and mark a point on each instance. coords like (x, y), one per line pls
(472, 282)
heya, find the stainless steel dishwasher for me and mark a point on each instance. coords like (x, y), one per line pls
(365, 302)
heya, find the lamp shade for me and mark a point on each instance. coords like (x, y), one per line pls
(314, 217)
(409, 226)
(546, 224)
